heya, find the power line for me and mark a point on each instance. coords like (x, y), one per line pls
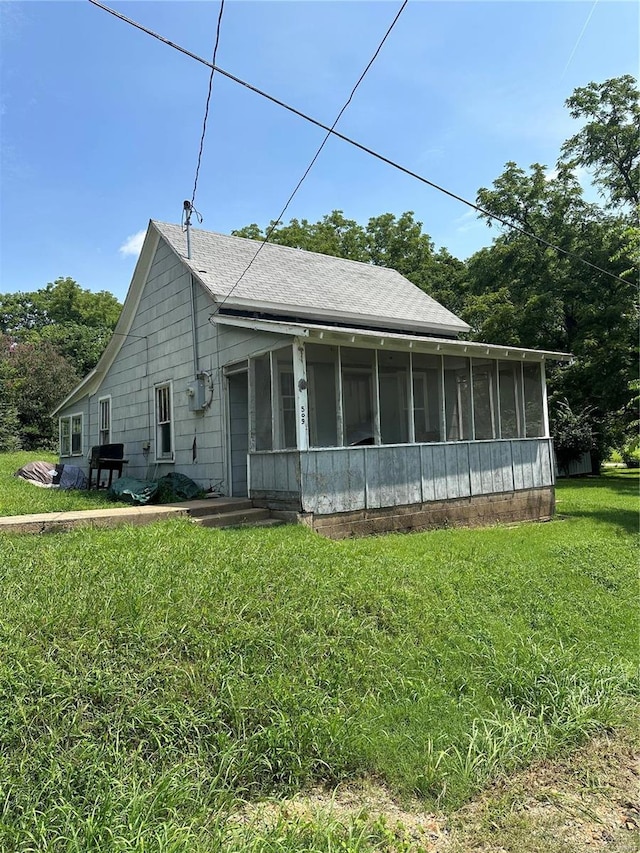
(313, 160)
(206, 108)
(359, 145)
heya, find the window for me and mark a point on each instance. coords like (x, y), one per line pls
(263, 412)
(393, 379)
(483, 371)
(510, 376)
(71, 435)
(322, 373)
(457, 396)
(65, 436)
(358, 410)
(427, 397)
(286, 402)
(534, 416)
(164, 423)
(104, 420)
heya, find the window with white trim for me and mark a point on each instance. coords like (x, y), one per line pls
(104, 420)
(71, 435)
(164, 422)
(65, 436)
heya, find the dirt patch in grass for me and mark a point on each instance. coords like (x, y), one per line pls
(587, 801)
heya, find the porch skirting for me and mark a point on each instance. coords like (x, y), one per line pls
(355, 491)
(479, 510)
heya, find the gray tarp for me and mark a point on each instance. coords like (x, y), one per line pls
(47, 475)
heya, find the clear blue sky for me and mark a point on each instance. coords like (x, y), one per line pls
(101, 123)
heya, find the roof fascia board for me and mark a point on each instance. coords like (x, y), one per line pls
(260, 325)
(369, 338)
(92, 381)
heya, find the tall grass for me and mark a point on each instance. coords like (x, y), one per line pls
(152, 678)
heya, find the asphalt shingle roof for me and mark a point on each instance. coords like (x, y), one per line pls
(307, 283)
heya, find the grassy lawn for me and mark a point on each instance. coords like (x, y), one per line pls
(153, 680)
(20, 498)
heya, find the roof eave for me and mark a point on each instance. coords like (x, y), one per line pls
(443, 346)
(317, 313)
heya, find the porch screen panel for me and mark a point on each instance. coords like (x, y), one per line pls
(485, 411)
(322, 375)
(262, 407)
(357, 395)
(534, 417)
(510, 399)
(457, 398)
(427, 397)
(285, 403)
(393, 378)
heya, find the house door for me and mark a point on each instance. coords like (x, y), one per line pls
(238, 389)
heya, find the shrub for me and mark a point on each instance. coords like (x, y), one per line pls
(572, 433)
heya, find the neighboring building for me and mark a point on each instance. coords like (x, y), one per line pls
(331, 388)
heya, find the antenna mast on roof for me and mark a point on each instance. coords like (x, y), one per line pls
(187, 210)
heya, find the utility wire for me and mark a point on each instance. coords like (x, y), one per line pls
(206, 108)
(359, 145)
(277, 220)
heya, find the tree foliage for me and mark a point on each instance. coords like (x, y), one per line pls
(609, 142)
(34, 378)
(76, 322)
(50, 338)
(525, 293)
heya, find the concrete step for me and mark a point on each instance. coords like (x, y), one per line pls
(234, 518)
(214, 506)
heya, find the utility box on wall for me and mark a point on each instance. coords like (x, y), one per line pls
(197, 393)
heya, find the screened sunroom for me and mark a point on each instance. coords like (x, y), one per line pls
(345, 419)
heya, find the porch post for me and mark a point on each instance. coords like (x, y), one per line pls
(545, 404)
(300, 390)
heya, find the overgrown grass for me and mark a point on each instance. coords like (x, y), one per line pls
(151, 678)
(18, 497)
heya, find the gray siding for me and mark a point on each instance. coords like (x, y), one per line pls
(352, 478)
(160, 348)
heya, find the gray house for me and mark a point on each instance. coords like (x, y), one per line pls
(327, 388)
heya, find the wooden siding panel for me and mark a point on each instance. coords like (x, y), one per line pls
(427, 472)
(393, 475)
(440, 472)
(457, 470)
(274, 474)
(333, 480)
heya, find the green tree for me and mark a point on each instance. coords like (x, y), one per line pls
(76, 322)
(39, 378)
(609, 142)
(524, 292)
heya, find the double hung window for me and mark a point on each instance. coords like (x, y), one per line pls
(164, 423)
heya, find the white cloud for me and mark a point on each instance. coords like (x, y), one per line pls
(133, 244)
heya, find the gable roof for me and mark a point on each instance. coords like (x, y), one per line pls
(295, 282)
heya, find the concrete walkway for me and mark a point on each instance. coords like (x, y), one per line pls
(61, 522)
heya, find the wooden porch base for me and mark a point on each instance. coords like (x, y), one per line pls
(477, 511)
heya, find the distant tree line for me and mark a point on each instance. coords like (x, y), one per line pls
(517, 291)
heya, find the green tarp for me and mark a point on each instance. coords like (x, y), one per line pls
(171, 488)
